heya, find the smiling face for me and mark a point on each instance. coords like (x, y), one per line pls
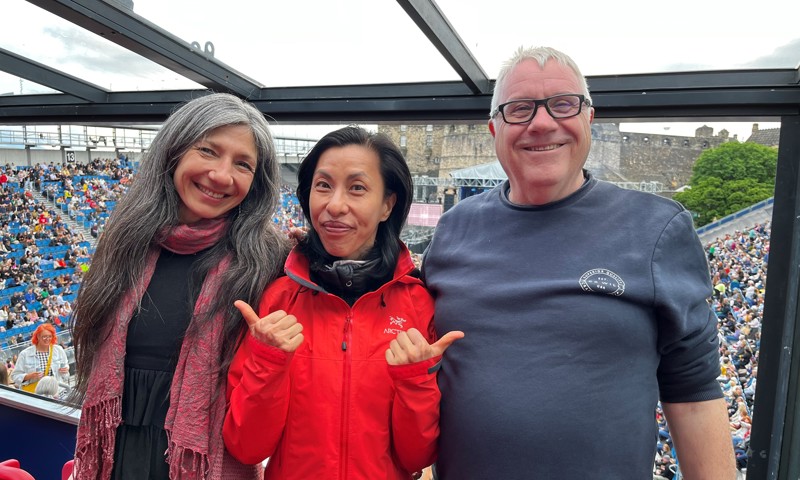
(543, 158)
(347, 200)
(44, 339)
(216, 173)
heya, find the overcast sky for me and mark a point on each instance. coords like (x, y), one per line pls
(373, 41)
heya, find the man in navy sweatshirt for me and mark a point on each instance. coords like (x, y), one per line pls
(583, 305)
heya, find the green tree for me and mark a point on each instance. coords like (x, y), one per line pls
(729, 178)
(737, 161)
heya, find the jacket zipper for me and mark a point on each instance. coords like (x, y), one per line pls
(346, 338)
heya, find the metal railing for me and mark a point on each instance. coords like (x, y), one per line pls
(734, 216)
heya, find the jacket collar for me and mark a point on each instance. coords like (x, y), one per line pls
(296, 267)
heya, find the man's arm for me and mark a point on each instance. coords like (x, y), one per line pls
(701, 435)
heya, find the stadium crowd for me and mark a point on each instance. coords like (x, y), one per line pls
(42, 260)
(738, 265)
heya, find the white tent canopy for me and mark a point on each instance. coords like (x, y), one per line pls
(487, 171)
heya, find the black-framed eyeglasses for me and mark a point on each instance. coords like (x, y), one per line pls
(558, 106)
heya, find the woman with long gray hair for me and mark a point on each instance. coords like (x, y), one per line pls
(154, 324)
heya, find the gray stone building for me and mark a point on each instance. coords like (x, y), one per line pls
(420, 144)
(667, 159)
(437, 150)
(768, 137)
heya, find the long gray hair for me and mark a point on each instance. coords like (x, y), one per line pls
(257, 249)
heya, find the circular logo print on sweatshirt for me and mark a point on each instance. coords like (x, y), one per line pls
(601, 280)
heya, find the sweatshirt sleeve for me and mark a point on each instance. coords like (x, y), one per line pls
(258, 399)
(687, 327)
(415, 409)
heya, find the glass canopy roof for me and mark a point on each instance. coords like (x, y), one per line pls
(59, 44)
(348, 42)
(368, 61)
(621, 37)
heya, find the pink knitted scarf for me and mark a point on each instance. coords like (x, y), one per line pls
(196, 413)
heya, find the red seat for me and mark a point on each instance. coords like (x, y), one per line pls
(10, 470)
(66, 470)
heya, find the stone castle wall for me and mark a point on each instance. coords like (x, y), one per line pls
(437, 150)
(420, 144)
(662, 158)
(466, 146)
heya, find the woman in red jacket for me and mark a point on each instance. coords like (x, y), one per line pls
(336, 378)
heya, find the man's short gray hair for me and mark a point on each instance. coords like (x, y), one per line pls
(540, 55)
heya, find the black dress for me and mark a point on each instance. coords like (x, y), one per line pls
(153, 345)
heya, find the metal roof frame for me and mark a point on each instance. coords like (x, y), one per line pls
(36, 72)
(728, 94)
(131, 31)
(423, 102)
(432, 22)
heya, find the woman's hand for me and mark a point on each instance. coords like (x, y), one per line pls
(36, 376)
(411, 347)
(276, 329)
(297, 234)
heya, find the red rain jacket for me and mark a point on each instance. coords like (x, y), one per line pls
(335, 409)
